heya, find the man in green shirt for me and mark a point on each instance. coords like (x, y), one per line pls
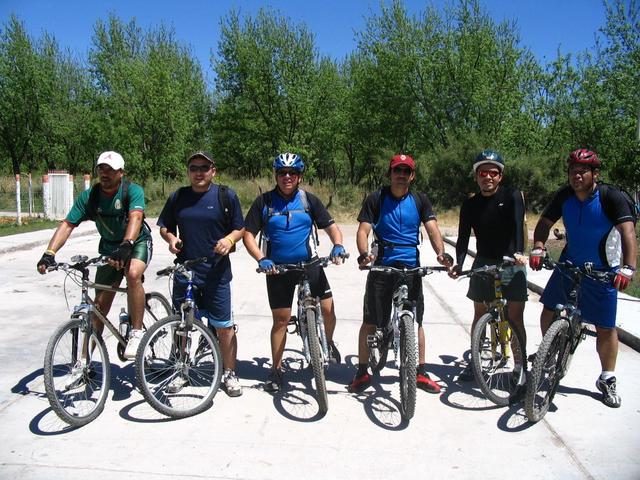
(124, 239)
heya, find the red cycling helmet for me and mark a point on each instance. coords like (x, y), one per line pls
(585, 157)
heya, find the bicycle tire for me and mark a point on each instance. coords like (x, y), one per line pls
(156, 307)
(378, 355)
(317, 365)
(546, 371)
(75, 405)
(159, 360)
(494, 364)
(408, 367)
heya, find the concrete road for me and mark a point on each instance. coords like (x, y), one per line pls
(456, 434)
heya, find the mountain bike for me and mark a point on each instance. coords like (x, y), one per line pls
(309, 324)
(498, 355)
(179, 361)
(77, 372)
(399, 334)
(560, 341)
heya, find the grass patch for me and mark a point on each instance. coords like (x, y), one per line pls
(8, 225)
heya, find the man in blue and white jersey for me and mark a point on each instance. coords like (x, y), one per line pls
(286, 216)
(394, 214)
(593, 226)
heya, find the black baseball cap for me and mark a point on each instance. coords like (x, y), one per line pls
(202, 154)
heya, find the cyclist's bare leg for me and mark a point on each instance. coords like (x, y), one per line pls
(516, 315)
(607, 347)
(103, 301)
(479, 309)
(135, 291)
(281, 318)
(363, 348)
(329, 315)
(421, 347)
(546, 318)
(228, 346)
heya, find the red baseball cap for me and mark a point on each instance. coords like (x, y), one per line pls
(402, 160)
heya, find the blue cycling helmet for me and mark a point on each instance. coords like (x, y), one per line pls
(489, 156)
(288, 160)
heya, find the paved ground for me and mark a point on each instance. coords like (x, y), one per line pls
(456, 434)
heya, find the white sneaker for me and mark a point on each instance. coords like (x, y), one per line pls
(232, 384)
(177, 384)
(132, 346)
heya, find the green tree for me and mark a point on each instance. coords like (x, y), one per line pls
(273, 93)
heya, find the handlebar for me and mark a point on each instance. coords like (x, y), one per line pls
(498, 267)
(422, 271)
(288, 267)
(181, 267)
(585, 270)
(80, 263)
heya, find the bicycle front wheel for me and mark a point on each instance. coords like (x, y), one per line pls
(317, 364)
(178, 369)
(497, 356)
(547, 370)
(76, 384)
(408, 366)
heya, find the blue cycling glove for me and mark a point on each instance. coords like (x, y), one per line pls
(337, 251)
(266, 264)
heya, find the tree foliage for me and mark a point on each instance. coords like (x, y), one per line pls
(440, 85)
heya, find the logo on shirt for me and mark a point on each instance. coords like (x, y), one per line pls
(117, 205)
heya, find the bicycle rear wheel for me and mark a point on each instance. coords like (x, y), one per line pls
(317, 364)
(178, 370)
(77, 388)
(408, 366)
(156, 307)
(547, 370)
(497, 357)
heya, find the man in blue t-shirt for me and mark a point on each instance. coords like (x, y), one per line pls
(593, 229)
(394, 217)
(286, 217)
(194, 224)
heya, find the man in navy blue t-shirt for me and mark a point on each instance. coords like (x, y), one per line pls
(593, 232)
(395, 218)
(194, 224)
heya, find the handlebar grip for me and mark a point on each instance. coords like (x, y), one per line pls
(164, 271)
(179, 245)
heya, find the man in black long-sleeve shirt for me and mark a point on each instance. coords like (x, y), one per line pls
(496, 217)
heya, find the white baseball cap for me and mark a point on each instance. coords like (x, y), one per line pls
(113, 159)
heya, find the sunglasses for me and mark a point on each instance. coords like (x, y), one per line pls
(488, 173)
(578, 170)
(284, 173)
(404, 170)
(199, 168)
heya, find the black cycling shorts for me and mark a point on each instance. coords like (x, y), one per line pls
(280, 288)
(378, 296)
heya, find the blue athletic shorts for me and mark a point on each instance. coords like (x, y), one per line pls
(597, 301)
(212, 296)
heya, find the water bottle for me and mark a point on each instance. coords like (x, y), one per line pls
(125, 323)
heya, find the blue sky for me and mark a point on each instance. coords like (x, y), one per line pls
(545, 25)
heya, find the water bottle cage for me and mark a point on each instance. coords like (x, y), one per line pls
(292, 326)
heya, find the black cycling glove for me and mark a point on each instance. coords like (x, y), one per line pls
(123, 252)
(48, 260)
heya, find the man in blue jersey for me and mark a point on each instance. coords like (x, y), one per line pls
(286, 216)
(594, 225)
(394, 215)
(194, 224)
